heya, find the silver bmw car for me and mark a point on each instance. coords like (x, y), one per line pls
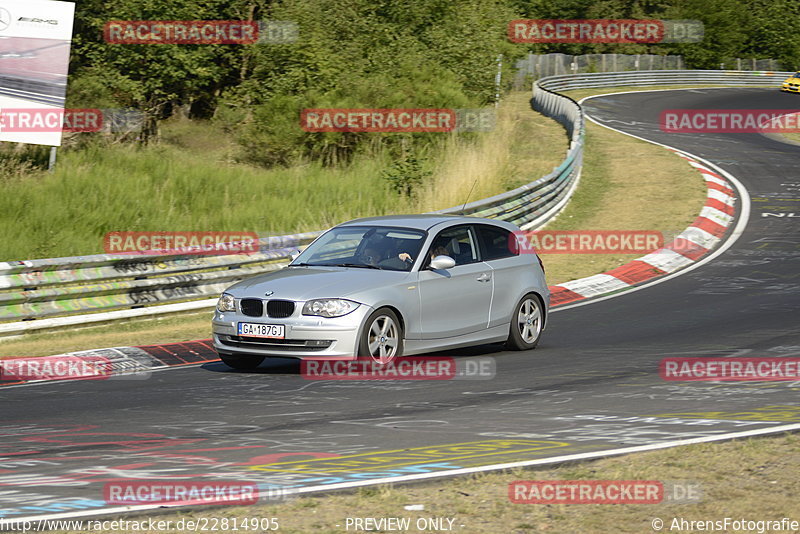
(384, 287)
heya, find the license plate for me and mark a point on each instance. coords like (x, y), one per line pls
(272, 331)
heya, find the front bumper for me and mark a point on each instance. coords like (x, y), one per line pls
(306, 337)
(790, 88)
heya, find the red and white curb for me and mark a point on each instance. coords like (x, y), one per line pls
(130, 363)
(696, 241)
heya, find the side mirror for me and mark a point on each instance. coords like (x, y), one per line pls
(442, 262)
(294, 255)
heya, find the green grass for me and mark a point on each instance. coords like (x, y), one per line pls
(166, 188)
(191, 181)
(626, 184)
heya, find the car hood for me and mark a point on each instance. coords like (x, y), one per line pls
(792, 80)
(304, 283)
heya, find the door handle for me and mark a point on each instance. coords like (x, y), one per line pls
(483, 278)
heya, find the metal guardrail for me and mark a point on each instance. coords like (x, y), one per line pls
(37, 289)
(98, 287)
(663, 77)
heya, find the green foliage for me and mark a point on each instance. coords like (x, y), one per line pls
(273, 135)
(19, 159)
(162, 187)
(733, 28)
(154, 78)
(406, 175)
(369, 54)
(365, 54)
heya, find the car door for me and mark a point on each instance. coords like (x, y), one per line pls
(498, 250)
(455, 301)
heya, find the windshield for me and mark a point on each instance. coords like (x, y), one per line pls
(367, 247)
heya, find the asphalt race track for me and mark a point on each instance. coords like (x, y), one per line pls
(592, 385)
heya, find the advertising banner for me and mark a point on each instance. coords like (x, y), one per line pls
(35, 39)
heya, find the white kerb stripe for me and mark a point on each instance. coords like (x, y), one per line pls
(595, 285)
(719, 217)
(698, 236)
(667, 260)
(718, 181)
(722, 197)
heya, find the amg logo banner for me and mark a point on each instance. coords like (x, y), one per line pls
(54, 22)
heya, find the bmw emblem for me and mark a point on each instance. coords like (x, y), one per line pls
(268, 293)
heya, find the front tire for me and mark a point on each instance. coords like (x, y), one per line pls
(244, 363)
(527, 320)
(382, 337)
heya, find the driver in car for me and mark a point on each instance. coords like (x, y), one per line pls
(373, 255)
(435, 251)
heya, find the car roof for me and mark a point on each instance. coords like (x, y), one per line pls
(426, 221)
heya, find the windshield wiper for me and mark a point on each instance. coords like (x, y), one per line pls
(362, 265)
(303, 264)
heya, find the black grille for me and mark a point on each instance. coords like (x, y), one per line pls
(280, 308)
(284, 345)
(253, 307)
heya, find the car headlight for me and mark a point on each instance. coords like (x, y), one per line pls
(226, 303)
(329, 307)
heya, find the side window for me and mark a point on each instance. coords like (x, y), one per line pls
(497, 242)
(455, 242)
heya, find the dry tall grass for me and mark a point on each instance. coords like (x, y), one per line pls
(522, 147)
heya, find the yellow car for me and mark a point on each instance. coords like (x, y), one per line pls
(792, 83)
